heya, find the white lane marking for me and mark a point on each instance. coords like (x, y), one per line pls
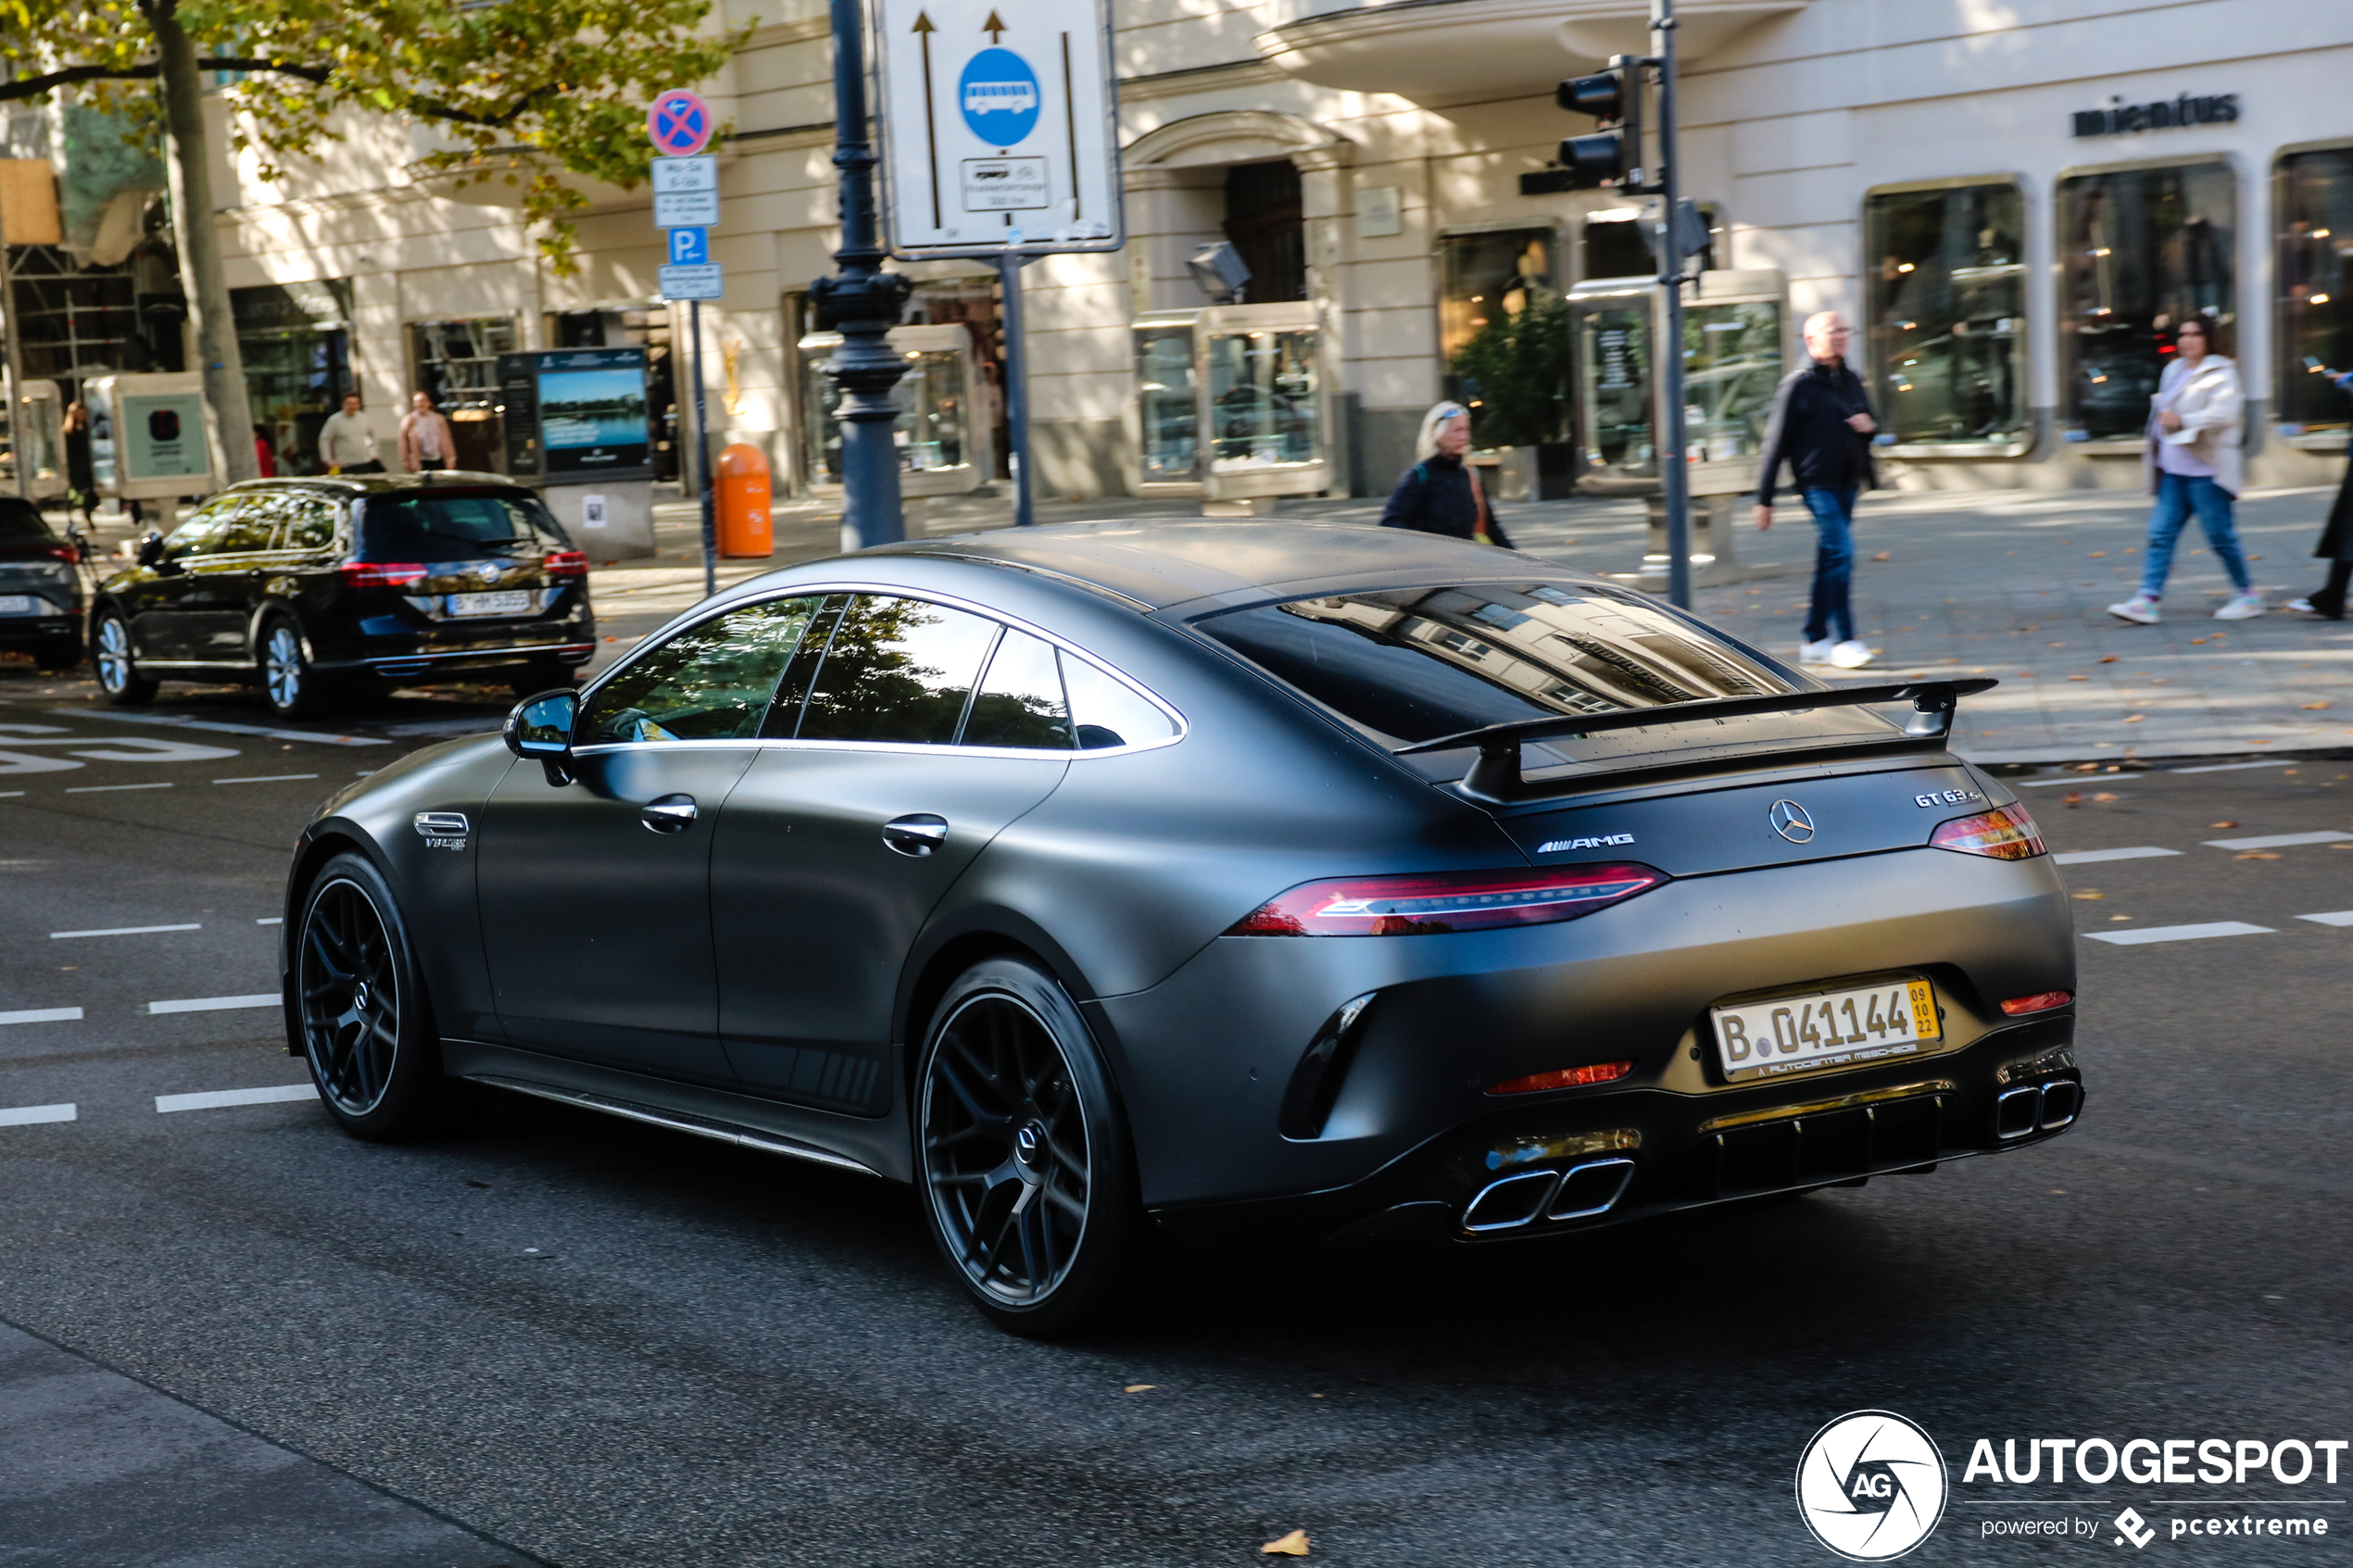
(271, 919)
(124, 930)
(28, 1115)
(212, 1099)
(9, 794)
(43, 1015)
(216, 1004)
(2087, 856)
(216, 724)
(267, 778)
(101, 789)
(2334, 917)
(2230, 767)
(2181, 933)
(2279, 840)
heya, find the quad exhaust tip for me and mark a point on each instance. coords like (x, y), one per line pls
(1578, 1193)
(2037, 1107)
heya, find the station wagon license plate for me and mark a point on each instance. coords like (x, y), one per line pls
(18, 604)
(1826, 1029)
(515, 602)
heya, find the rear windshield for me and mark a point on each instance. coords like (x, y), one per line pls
(20, 522)
(435, 526)
(1413, 664)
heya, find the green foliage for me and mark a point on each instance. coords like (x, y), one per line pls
(518, 92)
(1517, 371)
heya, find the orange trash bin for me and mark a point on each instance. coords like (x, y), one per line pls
(744, 499)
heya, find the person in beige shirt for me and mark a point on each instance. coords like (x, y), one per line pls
(346, 445)
(427, 444)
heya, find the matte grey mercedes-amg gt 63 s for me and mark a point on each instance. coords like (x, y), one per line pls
(1242, 880)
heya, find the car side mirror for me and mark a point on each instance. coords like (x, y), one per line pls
(539, 730)
(151, 548)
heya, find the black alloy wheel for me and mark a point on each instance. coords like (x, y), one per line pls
(287, 682)
(365, 1027)
(118, 679)
(1027, 1177)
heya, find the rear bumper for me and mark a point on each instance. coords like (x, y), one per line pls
(17, 630)
(1554, 1171)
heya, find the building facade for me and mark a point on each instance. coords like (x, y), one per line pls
(2014, 200)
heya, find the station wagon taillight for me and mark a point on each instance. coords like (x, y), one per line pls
(381, 574)
(2005, 832)
(1436, 902)
(566, 563)
(66, 553)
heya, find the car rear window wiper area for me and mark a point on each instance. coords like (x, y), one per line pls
(445, 527)
(1416, 665)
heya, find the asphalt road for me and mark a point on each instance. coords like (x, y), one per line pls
(242, 1339)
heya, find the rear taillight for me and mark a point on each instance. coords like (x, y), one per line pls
(1443, 901)
(2006, 832)
(66, 553)
(2040, 1001)
(1566, 1078)
(381, 574)
(566, 563)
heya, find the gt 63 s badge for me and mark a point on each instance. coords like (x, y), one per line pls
(1871, 1486)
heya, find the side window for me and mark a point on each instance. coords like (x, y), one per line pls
(896, 670)
(710, 681)
(200, 535)
(1021, 701)
(253, 525)
(1106, 713)
(310, 524)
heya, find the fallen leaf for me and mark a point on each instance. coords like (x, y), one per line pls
(1138, 1387)
(2104, 795)
(2311, 706)
(2120, 917)
(2088, 895)
(2026, 674)
(1292, 1545)
(2107, 658)
(2074, 797)
(2197, 640)
(1884, 555)
(2095, 554)
(2134, 717)
(2079, 677)
(2254, 855)
(2222, 825)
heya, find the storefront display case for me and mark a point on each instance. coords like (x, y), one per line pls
(1232, 405)
(34, 434)
(942, 434)
(1734, 347)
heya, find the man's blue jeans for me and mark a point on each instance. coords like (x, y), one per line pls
(1834, 565)
(2178, 494)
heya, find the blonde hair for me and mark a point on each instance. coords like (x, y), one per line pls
(1439, 415)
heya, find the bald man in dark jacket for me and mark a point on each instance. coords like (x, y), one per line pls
(1821, 427)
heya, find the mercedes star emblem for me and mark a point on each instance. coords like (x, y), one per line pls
(1789, 820)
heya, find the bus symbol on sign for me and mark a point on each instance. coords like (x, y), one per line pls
(999, 96)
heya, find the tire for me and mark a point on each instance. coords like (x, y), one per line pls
(118, 679)
(288, 683)
(365, 1027)
(57, 658)
(1028, 1179)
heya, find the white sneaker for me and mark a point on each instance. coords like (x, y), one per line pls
(2243, 606)
(1814, 655)
(1850, 655)
(2139, 607)
(2302, 606)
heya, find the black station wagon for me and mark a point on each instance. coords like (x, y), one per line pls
(300, 586)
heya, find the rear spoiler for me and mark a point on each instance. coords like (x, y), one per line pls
(1496, 775)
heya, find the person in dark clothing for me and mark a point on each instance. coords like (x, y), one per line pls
(1442, 494)
(2336, 539)
(1821, 427)
(82, 477)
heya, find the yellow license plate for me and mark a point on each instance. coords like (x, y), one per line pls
(1825, 1029)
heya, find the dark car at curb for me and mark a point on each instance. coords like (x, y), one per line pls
(303, 586)
(40, 588)
(1242, 883)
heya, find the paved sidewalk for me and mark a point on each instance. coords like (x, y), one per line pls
(2008, 584)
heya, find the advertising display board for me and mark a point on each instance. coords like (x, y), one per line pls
(577, 416)
(147, 435)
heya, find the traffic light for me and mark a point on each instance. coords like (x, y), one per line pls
(1613, 155)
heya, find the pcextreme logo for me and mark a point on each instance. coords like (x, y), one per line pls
(1871, 1486)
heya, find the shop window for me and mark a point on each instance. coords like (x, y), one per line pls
(1615, 248)
(456, 363)
(1945, 314)
(1266, 221)
(2314, 201)
(295, 340)
(2140, 250)
(1485, 276)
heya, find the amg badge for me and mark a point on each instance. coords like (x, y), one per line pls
(1554, 845)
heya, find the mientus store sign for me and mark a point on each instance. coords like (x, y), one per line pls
(2121, 119)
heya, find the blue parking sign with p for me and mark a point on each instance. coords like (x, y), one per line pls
(689, 247)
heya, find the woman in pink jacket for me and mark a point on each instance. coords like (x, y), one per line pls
(427, 444)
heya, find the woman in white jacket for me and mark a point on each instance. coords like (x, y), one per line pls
(2196, 424)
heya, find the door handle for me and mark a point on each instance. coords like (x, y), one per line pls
(669, 813)
(915, 835)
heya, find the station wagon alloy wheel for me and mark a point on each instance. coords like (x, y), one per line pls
(350, 998)
(285, 675)
(119, 676)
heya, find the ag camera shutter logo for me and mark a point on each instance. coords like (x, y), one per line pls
(1871, 1486)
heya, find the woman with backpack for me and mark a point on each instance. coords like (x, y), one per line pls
(1442, 494)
